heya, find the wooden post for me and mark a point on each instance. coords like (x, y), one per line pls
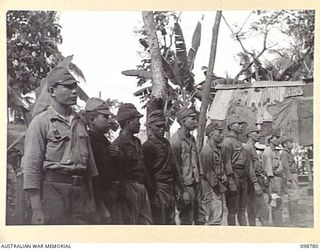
(207, 85)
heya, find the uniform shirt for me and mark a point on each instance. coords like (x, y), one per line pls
(257, 166)
(288, 163)
(54, 143)
(159, 162)
(237, 158)
(131, 163)
(186, 157)
(271, 162)
(212, 164)
(106, 164)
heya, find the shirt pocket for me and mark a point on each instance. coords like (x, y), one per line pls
(57, 142)
(81, 146)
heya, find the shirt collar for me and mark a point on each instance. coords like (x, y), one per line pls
(55, 115)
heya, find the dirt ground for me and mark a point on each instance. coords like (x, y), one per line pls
(305, 211)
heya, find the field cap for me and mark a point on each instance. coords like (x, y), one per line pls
(96, 104)
(213, 126)
(251, 129)
(156, 117)
(127, 111)
(60, 76)
(285, 138)
(185, 112)
(234, 119)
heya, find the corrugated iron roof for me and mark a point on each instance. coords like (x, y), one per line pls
(260, 97)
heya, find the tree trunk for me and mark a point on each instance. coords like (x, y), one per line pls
(158, 94)
(207, 85)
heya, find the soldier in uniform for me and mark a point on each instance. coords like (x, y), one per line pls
(187, 159)
(257, 205)
(107, 183)
(58, 163)
(215, 180)
(134, 178)
(162, 170)
(238, 166)
(291, 175)
(272, 166)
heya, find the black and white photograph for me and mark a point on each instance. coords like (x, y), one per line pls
(180, 118)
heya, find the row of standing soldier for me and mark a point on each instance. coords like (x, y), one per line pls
(74, 175)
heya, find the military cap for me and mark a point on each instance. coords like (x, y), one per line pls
(234, 118)
(251, 129)
(127, 111)
(213, 126)
(274, 132)
(185, 112)
(156, 117)
(96, 104)
(60, 75)
(284, 138)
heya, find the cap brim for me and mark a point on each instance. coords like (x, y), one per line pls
(69, 82)
(104, 112)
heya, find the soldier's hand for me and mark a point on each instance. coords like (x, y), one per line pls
(114, 151)
(257, 189)
(37, 217)
(186, 198)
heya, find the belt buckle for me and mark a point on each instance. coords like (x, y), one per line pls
(76, 180)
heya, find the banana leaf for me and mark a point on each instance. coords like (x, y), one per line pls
(138, 73)
(196, 38)
(181, 50)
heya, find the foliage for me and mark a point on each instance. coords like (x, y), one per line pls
(32, 39)
(292, 60)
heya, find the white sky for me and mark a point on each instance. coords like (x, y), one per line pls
(104, 44)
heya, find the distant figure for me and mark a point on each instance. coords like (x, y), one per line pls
(187, 158)
(162, 170)
(135, 206)
(291, 176)
(107, 183)
(215, 179)
(239, 168)
(272, 166)
(257, 205)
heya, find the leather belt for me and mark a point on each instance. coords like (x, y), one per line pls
(74, 180)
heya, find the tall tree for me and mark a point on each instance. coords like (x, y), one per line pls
(174, 63)
(159, 82)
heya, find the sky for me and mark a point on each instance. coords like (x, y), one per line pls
(104, 44)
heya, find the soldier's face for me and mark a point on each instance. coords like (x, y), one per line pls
(134, 124)
(101, 122)
(289, 145)
(237, 127)
(191, 122)
(275, 140)
(65, 94)
(217, 135)
(255, 136)
(158, 130)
